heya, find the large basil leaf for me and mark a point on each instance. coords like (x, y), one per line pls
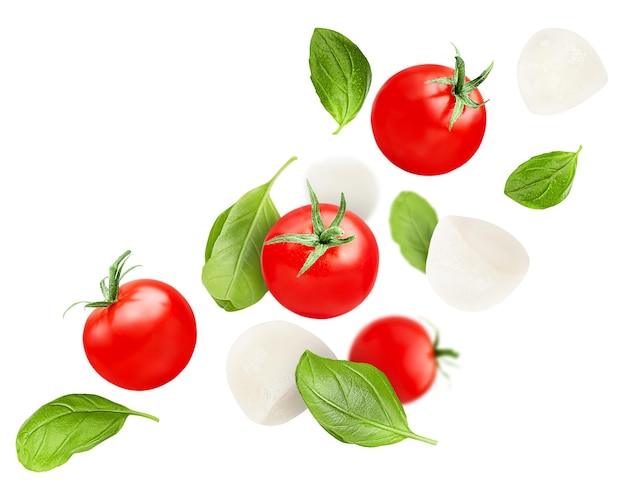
(544, 180)
(412, 221)
(68, 425)
(232, 270)
(354, 402)
(340, 73)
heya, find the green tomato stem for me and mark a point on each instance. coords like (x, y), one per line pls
(462, 89)
(322, 238)
(446, 352)
(115, 274)
(110, 285)
(442, 353)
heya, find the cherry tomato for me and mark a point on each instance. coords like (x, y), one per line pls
(429, 119)
(320, 260)
(402, 349)
(142, 335)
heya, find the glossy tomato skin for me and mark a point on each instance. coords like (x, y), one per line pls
(338, 282)
(143, 340)
(402, 349)
(410, 122)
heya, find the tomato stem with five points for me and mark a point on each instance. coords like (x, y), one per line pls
(110, 285)
(322, 238)
(462, 89)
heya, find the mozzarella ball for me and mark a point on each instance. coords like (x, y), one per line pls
(557, 70)
(352, 177)
(260, 369)
(473, 265)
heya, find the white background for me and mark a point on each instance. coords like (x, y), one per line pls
(133, 124)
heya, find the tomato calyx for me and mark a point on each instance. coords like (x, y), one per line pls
(322, 238)
(461, 89)
(109, 285)
(443, 353)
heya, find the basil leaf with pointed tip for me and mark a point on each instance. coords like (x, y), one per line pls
(412, 221)
(70, 424)
(340, 73)
(232, 270)
(544, 180)
(354, 402)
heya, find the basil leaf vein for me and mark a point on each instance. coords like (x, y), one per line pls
(70, 424)
(412, 221)
(543, 181)
(340, 73)
(232, 270)
(354, 402)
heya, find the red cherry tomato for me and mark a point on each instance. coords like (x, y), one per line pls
(338, 280)
(402, 349)
(141, 338)
(412, 118)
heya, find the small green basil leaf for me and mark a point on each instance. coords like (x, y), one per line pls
(544, 180)
(340, 73)
(412, 220)
(354, 402)
(70, 424)
(232, 270)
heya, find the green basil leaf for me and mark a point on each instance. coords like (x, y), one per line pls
(340, 73)
(232, 270)
(70, 424)
(216, 229)
(412, 220)
(544, 180)
(354, 402)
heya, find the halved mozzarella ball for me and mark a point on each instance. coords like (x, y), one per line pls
(557, 70)
(472, 264)
(260, 369)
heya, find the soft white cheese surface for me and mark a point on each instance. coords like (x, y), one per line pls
(557, 70)
(473, 264)
(260, 369)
